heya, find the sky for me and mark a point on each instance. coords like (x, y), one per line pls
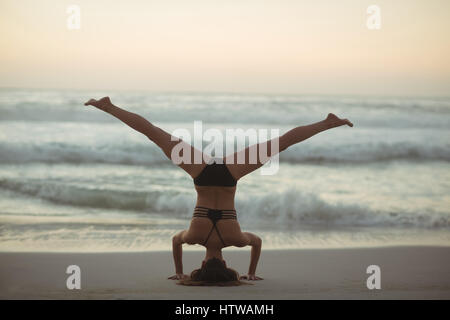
(271, 46)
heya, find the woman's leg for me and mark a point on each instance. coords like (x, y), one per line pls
(288, 139)
(160, 137)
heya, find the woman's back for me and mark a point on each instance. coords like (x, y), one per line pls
(219, 198)
(215, 197)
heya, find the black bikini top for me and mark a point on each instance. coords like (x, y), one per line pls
(215, 174)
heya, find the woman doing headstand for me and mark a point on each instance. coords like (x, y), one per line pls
(214, 223)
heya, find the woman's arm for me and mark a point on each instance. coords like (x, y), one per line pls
(256, 243)
(177, 250)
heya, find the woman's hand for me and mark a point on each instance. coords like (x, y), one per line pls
(178, 276)
(250, 277)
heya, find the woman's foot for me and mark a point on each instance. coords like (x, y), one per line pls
(333, 121)
(102, 104)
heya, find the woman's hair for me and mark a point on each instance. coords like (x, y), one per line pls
(213, 272)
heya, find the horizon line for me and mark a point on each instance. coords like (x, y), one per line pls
(228, 92)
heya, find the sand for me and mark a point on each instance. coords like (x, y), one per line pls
(406, 273)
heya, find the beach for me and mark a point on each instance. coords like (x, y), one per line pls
(353, 202)
(79, 188)
(406, 273)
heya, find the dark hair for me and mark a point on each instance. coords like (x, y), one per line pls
(213, 272)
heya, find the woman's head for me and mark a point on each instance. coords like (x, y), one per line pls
(214, 272)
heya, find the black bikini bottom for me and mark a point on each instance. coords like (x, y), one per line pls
(214, 215)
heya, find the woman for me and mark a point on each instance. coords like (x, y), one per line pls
(214, 224)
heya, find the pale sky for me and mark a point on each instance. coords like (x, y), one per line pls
(270, 46)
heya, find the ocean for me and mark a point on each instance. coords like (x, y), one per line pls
(74, 179)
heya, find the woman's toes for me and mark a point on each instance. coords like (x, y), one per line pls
(105, 100)
(332, 117)
(90, 102)
(348, 122)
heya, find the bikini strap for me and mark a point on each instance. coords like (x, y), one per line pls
(209, 234)
(214, 215)
(218, 233)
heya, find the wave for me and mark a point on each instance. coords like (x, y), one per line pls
(287, 209)
(370, 152)
(99, 197)
(294, 208)
(53, 153)
(132, 153)
(58, 106)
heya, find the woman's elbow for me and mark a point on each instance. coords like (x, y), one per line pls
(258, 241)
(176, 240)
